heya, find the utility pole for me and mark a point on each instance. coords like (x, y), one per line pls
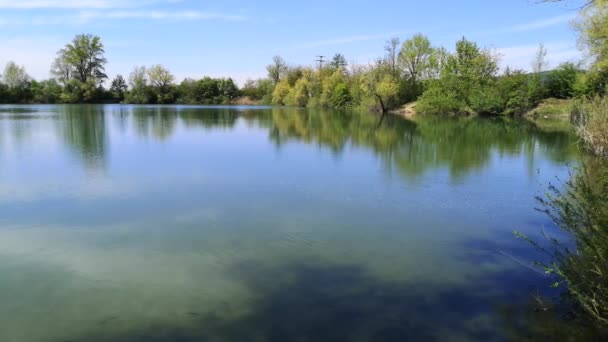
(321, 61)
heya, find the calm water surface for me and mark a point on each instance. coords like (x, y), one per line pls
(127, 223)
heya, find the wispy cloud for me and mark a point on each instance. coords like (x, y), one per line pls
(78, 4)
(86, 16)
(541, 24)
(530, 26)
(158, 15)
(347, 40)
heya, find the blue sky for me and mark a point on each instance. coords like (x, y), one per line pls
(238, 38)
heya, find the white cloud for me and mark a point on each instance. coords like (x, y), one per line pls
(158, 15)
(77, 4)
(530, 26)
(540, 24)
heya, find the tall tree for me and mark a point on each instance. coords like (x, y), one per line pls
(118, 88)
(277, 69)
(161, 81)
(83, 59)
(539, 64)
(138, 84)
(392, 54)
(416, 57)
(338, 61)
(15, 76)
(62, 70)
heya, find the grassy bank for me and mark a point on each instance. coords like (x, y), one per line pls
(553, 109)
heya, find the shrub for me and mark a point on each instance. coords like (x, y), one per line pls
(436, 101)
(486, 101)
(580, 208)
(561, 81)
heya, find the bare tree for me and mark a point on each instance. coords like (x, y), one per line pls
(540, 60)
(392, 53)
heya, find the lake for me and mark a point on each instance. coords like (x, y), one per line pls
(186, 223)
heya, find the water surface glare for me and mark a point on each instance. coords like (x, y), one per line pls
(184, 223)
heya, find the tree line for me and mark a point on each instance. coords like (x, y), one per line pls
(467, 80)
(79, 75)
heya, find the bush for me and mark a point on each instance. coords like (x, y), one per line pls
(486, 101)
(581, 210)
(341, 97)
(561, 81)
(436, 101)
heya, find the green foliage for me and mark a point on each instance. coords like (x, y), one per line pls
(416, 57)
(338, 62)
(81, 60)
(161, 82)
(118, 88)
(139, 92)
(580, 208)
(554, 108)
(299, 94)
(281, 90)
(15, 76)
(341, 97)
(46, 91)
(561, 81)
(259, 90)
(16, 85)
(514, 88)
(436, 101)
(486, 100)
(467, 76)
(277, 70)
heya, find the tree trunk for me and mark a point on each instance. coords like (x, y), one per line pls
(382, 107)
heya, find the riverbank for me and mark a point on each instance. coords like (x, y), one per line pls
(407, 111)
(553, 108)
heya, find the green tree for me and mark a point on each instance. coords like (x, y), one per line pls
(82, 59)
(139, 91)
(593, 28)
(379, 84)
(46, 91)
(62, 70)
(15, 76)
(277, 70)
(392, 54)
(161, 82)
(281, 91)
(561, 81)
(538, 90)
(415, 57)
(209, 90)
(118, 88)
(338, 62)
(228, 90)
(300, 93)
(464, 84)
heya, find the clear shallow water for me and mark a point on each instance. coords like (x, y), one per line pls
(125, 223)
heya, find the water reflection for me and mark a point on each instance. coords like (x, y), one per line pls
(410, 147)
(83, 128)
(228, 223)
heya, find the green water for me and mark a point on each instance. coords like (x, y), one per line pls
(126, 223)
